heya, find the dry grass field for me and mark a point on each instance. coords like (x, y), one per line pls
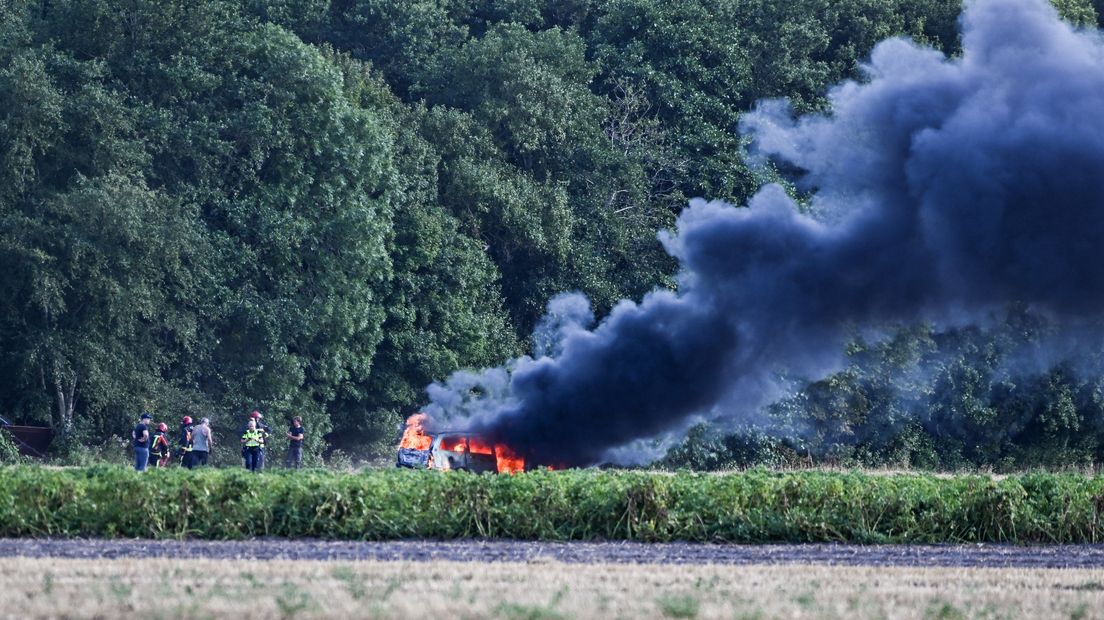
(162, 588)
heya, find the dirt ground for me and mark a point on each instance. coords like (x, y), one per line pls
(519, 580)
(992, 556)
(537, 590)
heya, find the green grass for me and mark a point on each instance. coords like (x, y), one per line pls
(756, 506)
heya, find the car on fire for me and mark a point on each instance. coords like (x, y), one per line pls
(453, 450)
(456, 451)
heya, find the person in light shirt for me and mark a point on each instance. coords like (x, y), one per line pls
(202, 442)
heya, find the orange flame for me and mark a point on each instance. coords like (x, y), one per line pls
(415, 436)
(508, 461)
(479, 446)
(452, 444)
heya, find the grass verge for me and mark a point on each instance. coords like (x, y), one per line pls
(755, 506)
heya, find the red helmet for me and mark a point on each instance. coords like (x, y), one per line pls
(164, 428)
(255, 414)
(187, 420)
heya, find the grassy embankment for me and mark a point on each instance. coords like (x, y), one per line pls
(755, 506)
(160, 588)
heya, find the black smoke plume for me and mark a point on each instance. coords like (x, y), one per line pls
(940, 188)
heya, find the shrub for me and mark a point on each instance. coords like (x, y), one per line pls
(9, 453)
(754, 506)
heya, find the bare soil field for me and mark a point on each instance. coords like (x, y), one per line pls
(976, 555)
(536, 590)
(519, 580)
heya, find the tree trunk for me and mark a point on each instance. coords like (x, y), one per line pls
(66, 390)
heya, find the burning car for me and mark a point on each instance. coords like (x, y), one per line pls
(420, 448)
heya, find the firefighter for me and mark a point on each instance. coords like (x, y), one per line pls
(185, 442)
(159, 448)
(252, 444)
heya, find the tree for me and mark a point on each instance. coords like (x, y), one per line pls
(279, 191)
(443, 307)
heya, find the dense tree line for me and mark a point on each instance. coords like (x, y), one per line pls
(317, 207)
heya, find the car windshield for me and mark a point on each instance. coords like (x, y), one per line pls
(453, 443)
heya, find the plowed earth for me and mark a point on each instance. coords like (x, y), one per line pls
(985, 555)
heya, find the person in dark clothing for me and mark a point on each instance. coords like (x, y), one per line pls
(159, 454)
(295, 444)
(185, 442)
(141, 437)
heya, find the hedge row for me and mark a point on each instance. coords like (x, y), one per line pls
(756, 506)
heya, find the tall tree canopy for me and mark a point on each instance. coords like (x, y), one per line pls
(317, 207)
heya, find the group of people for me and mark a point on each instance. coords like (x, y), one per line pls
(152, 446)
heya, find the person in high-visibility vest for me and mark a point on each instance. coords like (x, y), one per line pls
(253, 442)
(258, 419)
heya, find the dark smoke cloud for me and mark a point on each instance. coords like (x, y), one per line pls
(941, 189)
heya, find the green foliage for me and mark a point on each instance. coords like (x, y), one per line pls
(317, 208)
(199, 216)
(1078, 12)
(9, 453)
(82, 449)
(756, 506)
(966, 398)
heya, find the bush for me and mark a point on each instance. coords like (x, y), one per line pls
(9, 453)
(78, 449)
(750, 507)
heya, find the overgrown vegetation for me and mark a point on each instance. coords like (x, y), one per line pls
(317, 208)
(998, 397)
(9, 452)
(756, 506)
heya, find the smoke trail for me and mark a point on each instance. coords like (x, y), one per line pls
(943, 188)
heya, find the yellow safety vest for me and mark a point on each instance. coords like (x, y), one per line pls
(253, 439)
